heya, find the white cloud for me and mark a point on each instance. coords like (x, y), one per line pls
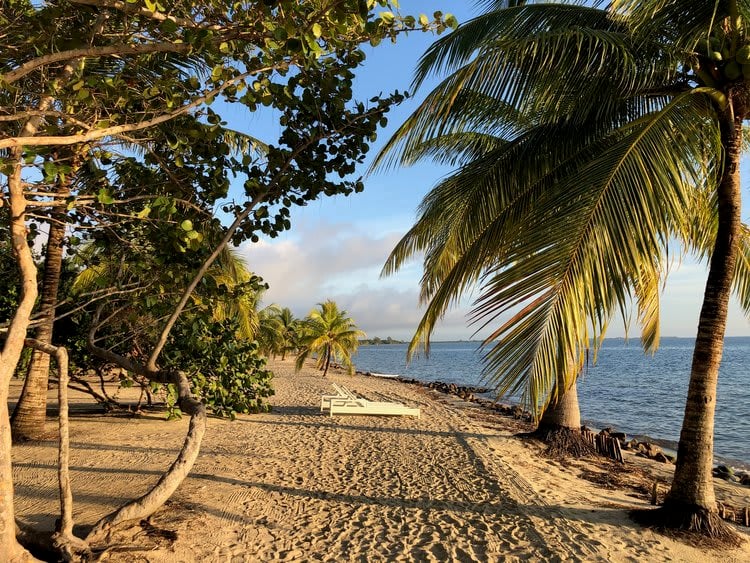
(342, 261)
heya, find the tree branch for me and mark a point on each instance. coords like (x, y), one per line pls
(32, 141)
(138, 10)
(63, 56)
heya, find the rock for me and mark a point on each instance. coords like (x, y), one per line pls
(745, 480)
(723, 472)
(648, 449)
(619, 435)
(632, 445)
(661, 458)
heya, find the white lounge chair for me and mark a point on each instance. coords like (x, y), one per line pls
(363, 406)
(346, 402)
(341, 393)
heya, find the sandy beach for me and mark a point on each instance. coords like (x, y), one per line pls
(298, 485)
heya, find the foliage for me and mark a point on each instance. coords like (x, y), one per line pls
(9, 276)
(278, 331)
(129, 101)
(220, 324)
(226, 372)
(378, 341)
(328, 333)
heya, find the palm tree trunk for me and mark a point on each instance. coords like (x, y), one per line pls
(328, 361)
(29, 416)
(560, 426)
(691, 497)
(564, 413)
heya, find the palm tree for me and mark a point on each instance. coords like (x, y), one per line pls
(289, 331)
(331, 335)
(587, 139)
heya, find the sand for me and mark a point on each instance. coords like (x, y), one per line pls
(297, 485)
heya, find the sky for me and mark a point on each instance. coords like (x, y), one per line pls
(338, 245)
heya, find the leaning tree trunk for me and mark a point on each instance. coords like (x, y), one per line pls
(691, 503)
(150, 502)
(29, 416)
(328, 362)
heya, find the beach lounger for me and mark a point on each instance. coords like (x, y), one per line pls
(346, 402)
(365, 407)
(341, 393)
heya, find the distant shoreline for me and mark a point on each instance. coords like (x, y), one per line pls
(635, 340)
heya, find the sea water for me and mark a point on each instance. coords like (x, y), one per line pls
(626, 389)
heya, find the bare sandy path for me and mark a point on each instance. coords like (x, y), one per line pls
(297, 485)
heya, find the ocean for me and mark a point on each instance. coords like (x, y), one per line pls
(632, 392)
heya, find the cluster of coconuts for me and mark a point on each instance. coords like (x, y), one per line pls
(732, 65)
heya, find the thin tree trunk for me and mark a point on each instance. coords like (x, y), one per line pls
(328, 362)
(68, 545)
(10, 549)
(29, 416)
(692, 492)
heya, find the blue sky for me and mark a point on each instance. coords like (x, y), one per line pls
(338, 245)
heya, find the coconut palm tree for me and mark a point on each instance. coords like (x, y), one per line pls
(289, 331)
(331, 335)
(613, 131)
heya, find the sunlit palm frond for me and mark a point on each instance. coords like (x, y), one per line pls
(603, 231)
(457, 48)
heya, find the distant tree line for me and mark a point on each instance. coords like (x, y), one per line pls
(377, 341)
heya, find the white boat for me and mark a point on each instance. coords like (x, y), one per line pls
(386, 375)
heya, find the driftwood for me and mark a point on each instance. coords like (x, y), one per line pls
(604, 444)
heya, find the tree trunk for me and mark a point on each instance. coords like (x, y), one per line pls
(564, 413)
(69, 547)
(147, 504)
(328, 362)
(560, 426)
(29, 416)
(10, 550)
(691, 496)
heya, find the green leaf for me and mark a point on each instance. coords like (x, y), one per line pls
(50, 170)
(424, 20)
(168, 26)
(387, 17)
(317, 30)
(105, 196)
(186, 225)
